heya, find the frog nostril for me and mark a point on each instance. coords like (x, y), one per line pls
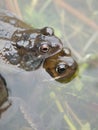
(67, 51)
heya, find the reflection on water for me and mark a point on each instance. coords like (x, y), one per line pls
(26, 88)
(18, 111)
(41, 99)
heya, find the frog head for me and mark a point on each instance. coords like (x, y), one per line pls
(62, 66)
(46, 43)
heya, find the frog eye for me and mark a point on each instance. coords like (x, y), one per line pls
(61, 68)
(47, 31)
(44, 48)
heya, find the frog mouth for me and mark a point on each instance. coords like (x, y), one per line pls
(70, 74)
(56, 50)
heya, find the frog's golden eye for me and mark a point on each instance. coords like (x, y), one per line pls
(44, 48)
(61, 68)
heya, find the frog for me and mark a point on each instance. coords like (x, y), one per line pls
(3, 95)
(25, 46)
(61, 66)
(31, 91)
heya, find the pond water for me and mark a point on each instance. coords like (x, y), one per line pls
(38, 101)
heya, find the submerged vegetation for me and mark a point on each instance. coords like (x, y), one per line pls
(76, 24)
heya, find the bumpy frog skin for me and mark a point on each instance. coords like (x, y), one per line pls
(3, 95)
(23, 45)
(62, 67)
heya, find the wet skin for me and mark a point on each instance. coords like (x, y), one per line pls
(23, 45)
(62, 67)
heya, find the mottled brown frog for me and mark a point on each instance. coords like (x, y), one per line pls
(61, 66)
(24, 46)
